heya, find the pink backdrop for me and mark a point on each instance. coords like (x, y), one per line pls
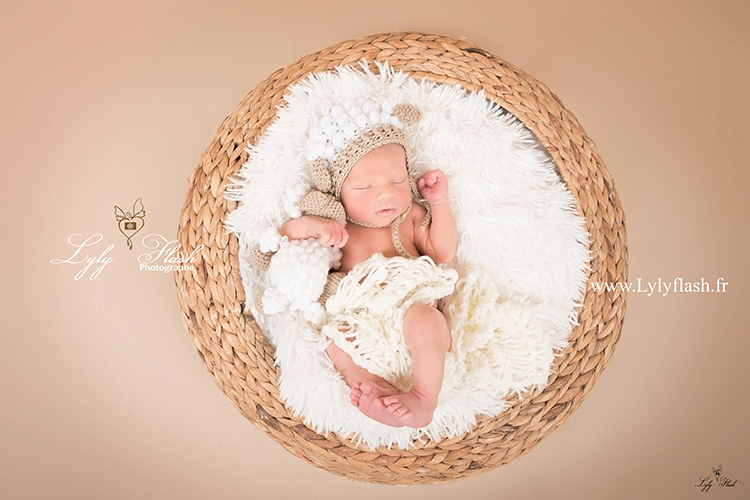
(103, 395)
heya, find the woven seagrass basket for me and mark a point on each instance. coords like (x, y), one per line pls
(241, 360)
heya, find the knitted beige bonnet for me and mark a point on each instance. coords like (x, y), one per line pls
(335, 143)
(341, 139)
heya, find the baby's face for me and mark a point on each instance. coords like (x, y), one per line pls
(377, 190)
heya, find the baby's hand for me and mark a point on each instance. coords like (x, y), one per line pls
(329, 232)
(434, 186)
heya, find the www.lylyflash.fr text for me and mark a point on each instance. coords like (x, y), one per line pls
(678, 285)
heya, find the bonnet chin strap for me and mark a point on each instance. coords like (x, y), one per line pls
(403, 252)
(394, 231)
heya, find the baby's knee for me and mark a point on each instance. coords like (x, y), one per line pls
(426, 325)
(422, 314)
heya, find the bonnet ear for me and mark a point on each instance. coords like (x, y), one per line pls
(322, 205)
(320, 174)
(407, 113)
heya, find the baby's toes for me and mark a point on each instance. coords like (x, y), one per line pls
(395, 406)
(355, 394)
(390, 400)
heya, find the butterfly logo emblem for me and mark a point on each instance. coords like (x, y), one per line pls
(129, 223)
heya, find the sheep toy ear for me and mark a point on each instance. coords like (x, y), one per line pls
(270, 302)
(258, 259)
(321, 176)
(407, 113)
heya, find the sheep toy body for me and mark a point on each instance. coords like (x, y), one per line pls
(297, 275)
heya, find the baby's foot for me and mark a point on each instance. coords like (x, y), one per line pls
(368, 397)
(411, 409)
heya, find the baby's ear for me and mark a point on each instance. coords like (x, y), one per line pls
(407, 113)
(320, 174)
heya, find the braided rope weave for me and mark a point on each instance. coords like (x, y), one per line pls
(239, 357)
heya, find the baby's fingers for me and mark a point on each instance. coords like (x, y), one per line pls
(342, 239)
(426, 180)
(431, 178)
(337, 237)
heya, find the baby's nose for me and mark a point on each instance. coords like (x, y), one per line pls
(386, 192)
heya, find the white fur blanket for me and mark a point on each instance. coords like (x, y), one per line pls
(521, 257)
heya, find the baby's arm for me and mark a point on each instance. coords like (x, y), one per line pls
(329, 232)
(440, 239)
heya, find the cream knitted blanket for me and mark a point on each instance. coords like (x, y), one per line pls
(365, 316)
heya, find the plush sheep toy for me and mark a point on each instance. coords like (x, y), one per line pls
(298, 274)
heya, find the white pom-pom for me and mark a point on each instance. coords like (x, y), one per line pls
(316, 150)
(273, 302)
(315, 314)
(291, 200)
(341, 120)
(269, 240)
(316, 134)
(335, 258)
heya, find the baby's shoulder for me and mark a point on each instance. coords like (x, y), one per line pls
(417, 213)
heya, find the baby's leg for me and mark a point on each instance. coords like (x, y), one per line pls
(367, 389)
(427, 335)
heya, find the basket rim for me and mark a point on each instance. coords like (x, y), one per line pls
(240, 358)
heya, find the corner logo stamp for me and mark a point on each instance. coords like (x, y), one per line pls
(706, 482)
(129, 223)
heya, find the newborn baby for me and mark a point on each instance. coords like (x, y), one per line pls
(382, 218)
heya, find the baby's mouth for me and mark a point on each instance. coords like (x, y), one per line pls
(385, 212)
